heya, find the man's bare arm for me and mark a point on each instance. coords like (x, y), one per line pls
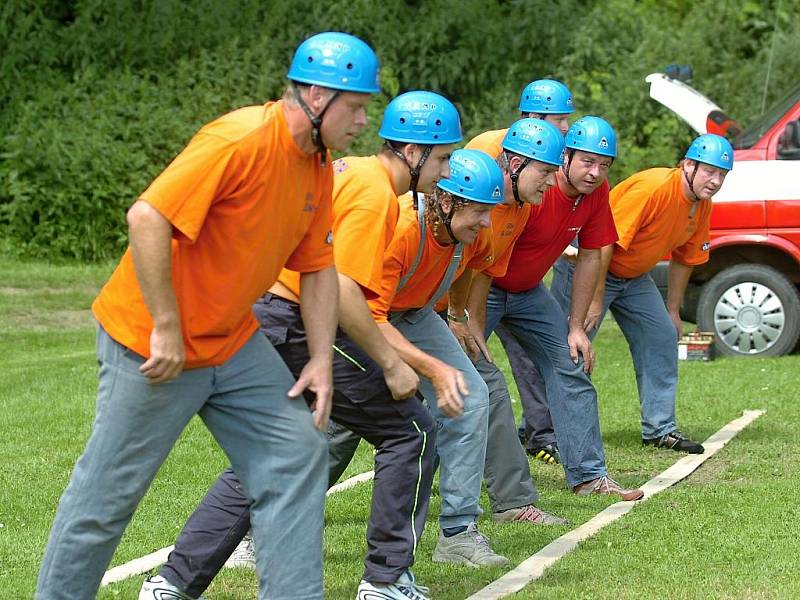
(151, 248)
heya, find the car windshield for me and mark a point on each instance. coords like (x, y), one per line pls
(756, 131)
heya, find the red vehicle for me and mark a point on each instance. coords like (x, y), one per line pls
(747, 294)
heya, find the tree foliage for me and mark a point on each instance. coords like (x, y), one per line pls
(96, 96)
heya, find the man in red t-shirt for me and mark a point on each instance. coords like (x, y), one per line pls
(576, 206)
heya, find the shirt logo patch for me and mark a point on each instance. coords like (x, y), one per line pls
(309, 206)
(575, 229)
(339, 166)
(329, 238)
(705, 246)
(488, 258)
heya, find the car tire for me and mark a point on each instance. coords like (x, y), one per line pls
(753, 310)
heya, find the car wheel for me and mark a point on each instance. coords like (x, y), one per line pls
(753, 310)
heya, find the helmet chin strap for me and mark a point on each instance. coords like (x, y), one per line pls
(565, 168)
(690, 181)
(316, 121)
(514, 176)
(414, 171)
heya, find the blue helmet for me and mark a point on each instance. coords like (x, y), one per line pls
(712, 150)
(546, 97)
(421, 118)
(474, 176)
(338, 61)
(536, 139)
(592, 134)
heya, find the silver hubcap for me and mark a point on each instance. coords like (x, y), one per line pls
(749, 317)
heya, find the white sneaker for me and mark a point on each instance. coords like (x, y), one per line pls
(244, 556)
(470, 547)
(158, 588)
(405, 588)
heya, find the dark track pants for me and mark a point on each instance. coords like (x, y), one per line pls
(402, 432)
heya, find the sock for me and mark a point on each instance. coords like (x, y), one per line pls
(451, 531)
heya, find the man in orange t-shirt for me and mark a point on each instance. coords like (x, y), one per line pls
(373, 386)
(433, 244)
(531, 151)
(657, 212)
(249, 195)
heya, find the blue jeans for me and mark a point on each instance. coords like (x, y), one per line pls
(537, 322)
(640, 312)
(270, 440)
(460, 442)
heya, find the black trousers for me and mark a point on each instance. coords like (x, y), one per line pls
(402, 432)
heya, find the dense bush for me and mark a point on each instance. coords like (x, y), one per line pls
(96, 96)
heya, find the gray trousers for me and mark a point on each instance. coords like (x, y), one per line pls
(269, 438)
(536, 427)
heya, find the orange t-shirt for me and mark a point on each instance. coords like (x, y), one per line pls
(653, 218)
(431, 269)
(508, 220)
(365, 212)
(244, 201)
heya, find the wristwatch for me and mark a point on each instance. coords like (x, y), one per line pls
(455, 319)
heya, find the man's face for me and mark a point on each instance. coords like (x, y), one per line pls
(436, 167)
(344, 119)
(532, 183)
(707, 180)
(469, 220)
(587, 171)
(560, 121)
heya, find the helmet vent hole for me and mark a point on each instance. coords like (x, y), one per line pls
(350, 66)
(402, 120)
(538, 142)
(466, 178)
(435, 136)
(438, 122)
(310, 59)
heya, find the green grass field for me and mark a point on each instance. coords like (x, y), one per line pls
(728, 531)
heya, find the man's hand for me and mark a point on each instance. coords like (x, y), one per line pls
(449, 386)
(570, 254)
(470, 336)
(167, 354)
(579, 345)
(317, 376)
(677, 322)
(592, 320)
(401, 380)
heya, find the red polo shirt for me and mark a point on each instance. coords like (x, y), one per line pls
(552, 225)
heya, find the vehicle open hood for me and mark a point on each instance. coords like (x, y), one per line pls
(699, 112)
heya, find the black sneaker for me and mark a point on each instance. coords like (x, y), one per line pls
(675, 441)
(547, 454)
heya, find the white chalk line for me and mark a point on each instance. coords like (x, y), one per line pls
(150, 561)
(533, 567)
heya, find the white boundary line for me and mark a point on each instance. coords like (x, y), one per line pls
(533, 567)
(150, 561)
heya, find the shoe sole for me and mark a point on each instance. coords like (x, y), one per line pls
(458, 559)
(240, 564)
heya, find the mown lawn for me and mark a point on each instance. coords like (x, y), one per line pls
(729, 531)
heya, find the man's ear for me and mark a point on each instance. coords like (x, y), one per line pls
(411, 152)
(317, 97)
